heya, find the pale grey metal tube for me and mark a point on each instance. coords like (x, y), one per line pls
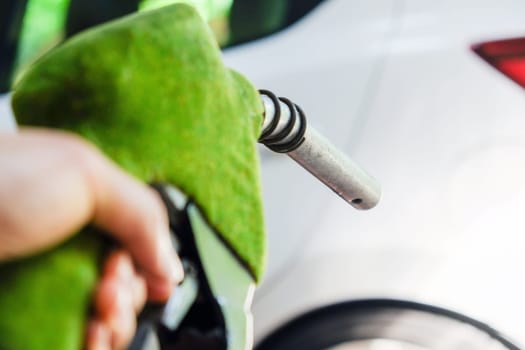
(316, 154)
(333, 168)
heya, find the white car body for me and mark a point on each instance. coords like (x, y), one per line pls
(395, 85)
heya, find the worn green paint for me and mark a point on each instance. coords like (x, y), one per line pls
(151, 91)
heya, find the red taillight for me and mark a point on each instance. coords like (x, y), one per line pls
(507, 56)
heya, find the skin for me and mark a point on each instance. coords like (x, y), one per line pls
(65, 183)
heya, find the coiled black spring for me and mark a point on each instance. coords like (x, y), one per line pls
(278, 134)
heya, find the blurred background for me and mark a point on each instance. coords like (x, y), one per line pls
(428, 97)
(29, 28)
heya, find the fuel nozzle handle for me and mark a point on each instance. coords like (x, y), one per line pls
(285, 130)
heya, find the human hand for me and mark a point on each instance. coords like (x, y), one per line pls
(65, 183)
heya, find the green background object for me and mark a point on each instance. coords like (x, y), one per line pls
(48, 22)
(207, 8)
(151, 91)
(43, 25)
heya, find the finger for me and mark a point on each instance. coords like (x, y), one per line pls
(119, 266)
(98, 336)
(115, 308)
(61, 171)
(120, 296)
(44, 195)
(136, 216)
(139, 290)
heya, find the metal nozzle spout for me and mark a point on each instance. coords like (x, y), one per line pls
(285, 131)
